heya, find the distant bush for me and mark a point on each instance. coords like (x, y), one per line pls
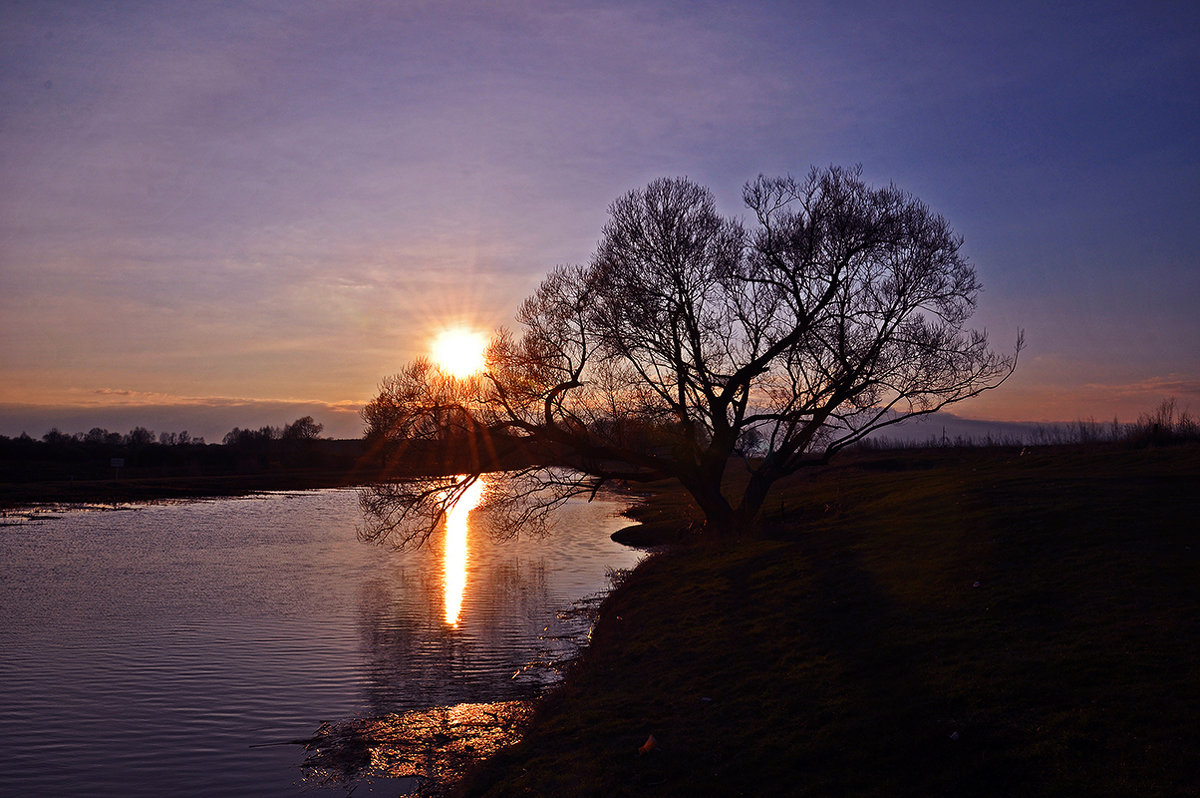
(249, 438)
(1165, 425)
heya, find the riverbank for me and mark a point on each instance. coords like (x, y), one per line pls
(982, 622)
(119, 491)
(74, 470)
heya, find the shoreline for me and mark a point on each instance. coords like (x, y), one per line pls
(20, 495)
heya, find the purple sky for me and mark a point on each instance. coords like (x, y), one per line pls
(220, 214)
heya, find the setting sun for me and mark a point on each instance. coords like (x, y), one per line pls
(460, 352)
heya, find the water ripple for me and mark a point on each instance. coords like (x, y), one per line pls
(144, 652)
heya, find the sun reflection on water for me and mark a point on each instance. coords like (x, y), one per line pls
(454, 562)
(436, 745)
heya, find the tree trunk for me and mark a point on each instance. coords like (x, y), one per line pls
(754, 496)
(724, 523)
(720, 519)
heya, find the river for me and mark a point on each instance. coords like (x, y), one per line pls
(179, 649)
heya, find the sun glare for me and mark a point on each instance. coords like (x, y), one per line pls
(460, 352)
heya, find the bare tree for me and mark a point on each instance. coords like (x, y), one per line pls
(302, 429)
(692, 340)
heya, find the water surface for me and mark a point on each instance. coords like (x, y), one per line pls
(146, 651)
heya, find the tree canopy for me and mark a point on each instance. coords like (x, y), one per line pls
(691, 340)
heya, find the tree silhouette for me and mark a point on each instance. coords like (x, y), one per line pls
(303, 429)
(692, 340)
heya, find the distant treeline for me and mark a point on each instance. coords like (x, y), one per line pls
(296, 447)
(101, 454)
(1166, 424)
(304, 428)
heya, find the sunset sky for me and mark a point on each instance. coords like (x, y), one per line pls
(219, 214)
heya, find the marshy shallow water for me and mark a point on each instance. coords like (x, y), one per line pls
(179, 648)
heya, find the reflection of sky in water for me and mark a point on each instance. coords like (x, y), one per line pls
(144, 651)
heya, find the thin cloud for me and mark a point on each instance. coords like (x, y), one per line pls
(1172, 384)
(156, 398)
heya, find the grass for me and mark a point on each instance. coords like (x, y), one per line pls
(979, 622)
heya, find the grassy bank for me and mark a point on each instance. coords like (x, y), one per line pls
(911, 623)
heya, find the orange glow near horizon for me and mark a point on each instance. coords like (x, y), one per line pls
(454, 558)
(459, 352)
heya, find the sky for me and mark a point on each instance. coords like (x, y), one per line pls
(236, 214)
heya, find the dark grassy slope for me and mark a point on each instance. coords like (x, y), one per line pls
(975, 623)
